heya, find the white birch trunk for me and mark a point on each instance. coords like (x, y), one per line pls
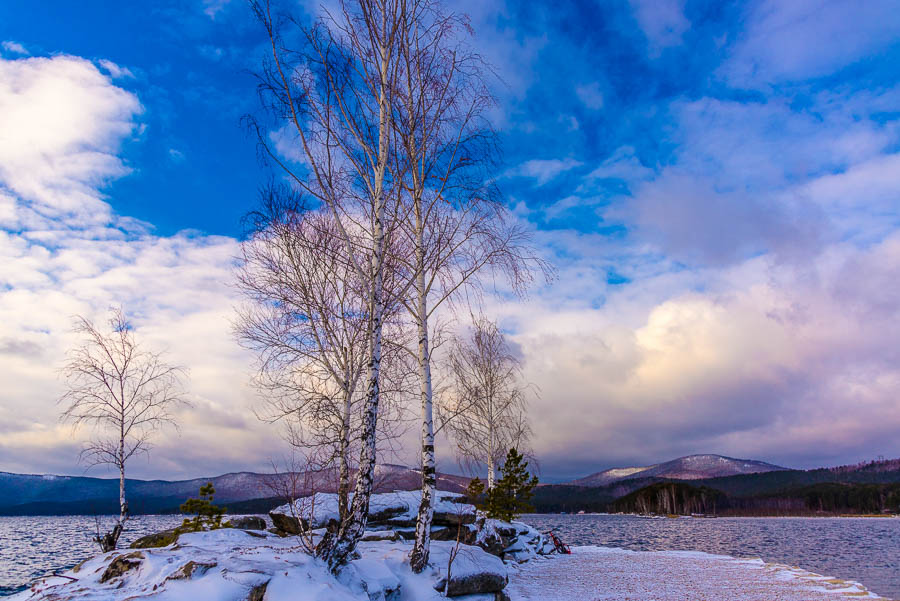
(336, 551)
(344, 469)
(422, 545)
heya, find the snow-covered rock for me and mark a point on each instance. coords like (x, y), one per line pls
(233, 565)
(398, 508)
(512, 541)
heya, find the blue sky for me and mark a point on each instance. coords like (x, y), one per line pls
(718, 185)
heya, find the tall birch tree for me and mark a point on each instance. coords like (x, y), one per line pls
(330, 97)
(125, 392)
(455, 223)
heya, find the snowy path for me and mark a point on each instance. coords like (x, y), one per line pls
(597, 573)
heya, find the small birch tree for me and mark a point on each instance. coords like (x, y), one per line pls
(489, 404)
(125, 392)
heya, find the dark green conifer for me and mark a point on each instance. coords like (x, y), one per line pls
(207, 516)
(510, 495)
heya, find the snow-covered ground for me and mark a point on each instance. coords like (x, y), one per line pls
(601, 573)
(235, 565)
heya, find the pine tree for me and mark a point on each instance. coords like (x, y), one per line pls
(510, 495)
(208, 516)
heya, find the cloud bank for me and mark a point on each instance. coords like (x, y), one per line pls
(728, 288)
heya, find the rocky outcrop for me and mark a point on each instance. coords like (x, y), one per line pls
(190, 569)
(120, 565)
(158, 539)
(394, 510)
(511, 541)
(248, 522)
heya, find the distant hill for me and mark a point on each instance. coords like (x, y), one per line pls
(869, 487)
(691, 467)
(31, 494)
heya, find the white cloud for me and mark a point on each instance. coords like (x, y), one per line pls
(591, 95)
(115, 71)
(211, 8)
(55, 155)
(662, 21)
(802, 39)
(543, 170)
(64, 252)
(14, 47)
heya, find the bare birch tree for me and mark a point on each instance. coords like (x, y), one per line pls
(456, 225)
(308, 324)
(331, 96)
(125, 392)
(489, 398)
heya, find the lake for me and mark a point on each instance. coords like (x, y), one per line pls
(862, 549)
(866, 550)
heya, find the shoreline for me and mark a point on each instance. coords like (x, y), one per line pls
(607, 573)
(591, 573)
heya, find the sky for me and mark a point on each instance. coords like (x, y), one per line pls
(717, 185)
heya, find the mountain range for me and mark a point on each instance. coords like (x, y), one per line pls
(691, 467)
(32, 494)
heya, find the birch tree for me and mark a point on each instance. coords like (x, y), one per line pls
(489, 398)
(330, 100)
(122, 390)
(456, 225)
(308, 324)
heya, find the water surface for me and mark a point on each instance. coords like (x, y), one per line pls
(862, 549)
(866, 550)
(33, 546)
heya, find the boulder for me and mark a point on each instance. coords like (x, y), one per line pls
(287, 524)
(258, 593)
(248, 522)
(191, 568)
(472, 572)
(122, 564)
(158, 539)
(450, 518)
(377, 535)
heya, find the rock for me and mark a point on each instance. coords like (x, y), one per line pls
(188, 570)
(386, 514)
(287, 523)
(277, 532)
(502, 596)
(448, 518)
(159, 539)
(248, 522)
(122, 564)
(258, 593)
(376, 535)
(473, 572)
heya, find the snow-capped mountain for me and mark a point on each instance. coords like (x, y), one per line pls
(691, 467)
(24, 494)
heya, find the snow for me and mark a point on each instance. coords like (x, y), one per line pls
(238, 562)
(323, 507)
(607, 574)
(229, 564)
